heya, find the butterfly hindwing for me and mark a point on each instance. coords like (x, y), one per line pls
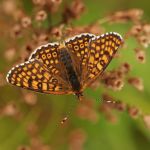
(102, 50)
(33, 75)
(78, 48)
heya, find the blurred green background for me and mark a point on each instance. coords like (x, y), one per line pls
(36, 124)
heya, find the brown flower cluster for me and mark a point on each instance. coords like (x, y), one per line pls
(133, 15)
(146, 119)
(115, 79)
(109, 104)
(140, 55)
(77, 139)
(136, 82)
(141, 31)
(86, 110)
(11, 109)
(74, 11)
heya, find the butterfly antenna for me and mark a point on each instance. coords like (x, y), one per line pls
(68, 113)
(64, 33)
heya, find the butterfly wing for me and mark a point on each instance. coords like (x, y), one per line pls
(78, 47)
(49, 55)
(102, 50)
(34, 75)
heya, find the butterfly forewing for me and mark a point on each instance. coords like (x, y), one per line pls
(49, 55)
(33, 75)
(102, 50)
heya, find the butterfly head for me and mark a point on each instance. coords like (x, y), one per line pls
(79, 95)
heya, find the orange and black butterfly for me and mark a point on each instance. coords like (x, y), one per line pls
(68, 67)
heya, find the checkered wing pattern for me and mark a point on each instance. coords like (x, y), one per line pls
(102, 50)
(34, 75)
(78, 47)
(46, 72)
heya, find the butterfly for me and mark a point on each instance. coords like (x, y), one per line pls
(66, 67)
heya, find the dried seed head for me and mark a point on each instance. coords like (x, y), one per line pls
(146, 119)
(56, 1)
(108, 99)
(120, 106)
(24, 147)
(39, 2)
(133, 112)
(74, 11)
(25, 22)
(16, 31)
(146, 29)
(57, 32)
(29, 48)
(85, 110)
(23, 55)
(76, 30)
(39, 39)
(125, 68)
(144, 40)
(9, 54)
(41, 15)
(9, 7)
(140, 55)
(10, 110)
(113, 80)
(91, 28)
(128, 15)
(137, 83)
(76, 139)
(53, 5)
(37, 144)
(135, 30)
(142, 34)
(94, 28)
(110, 102)
(42, 39)
(136, 14)
(107, 107)
(32, 129)
(30, 98)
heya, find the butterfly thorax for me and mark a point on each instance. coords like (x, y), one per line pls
(65, 58)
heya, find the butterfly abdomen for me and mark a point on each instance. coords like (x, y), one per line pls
(72, 76)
